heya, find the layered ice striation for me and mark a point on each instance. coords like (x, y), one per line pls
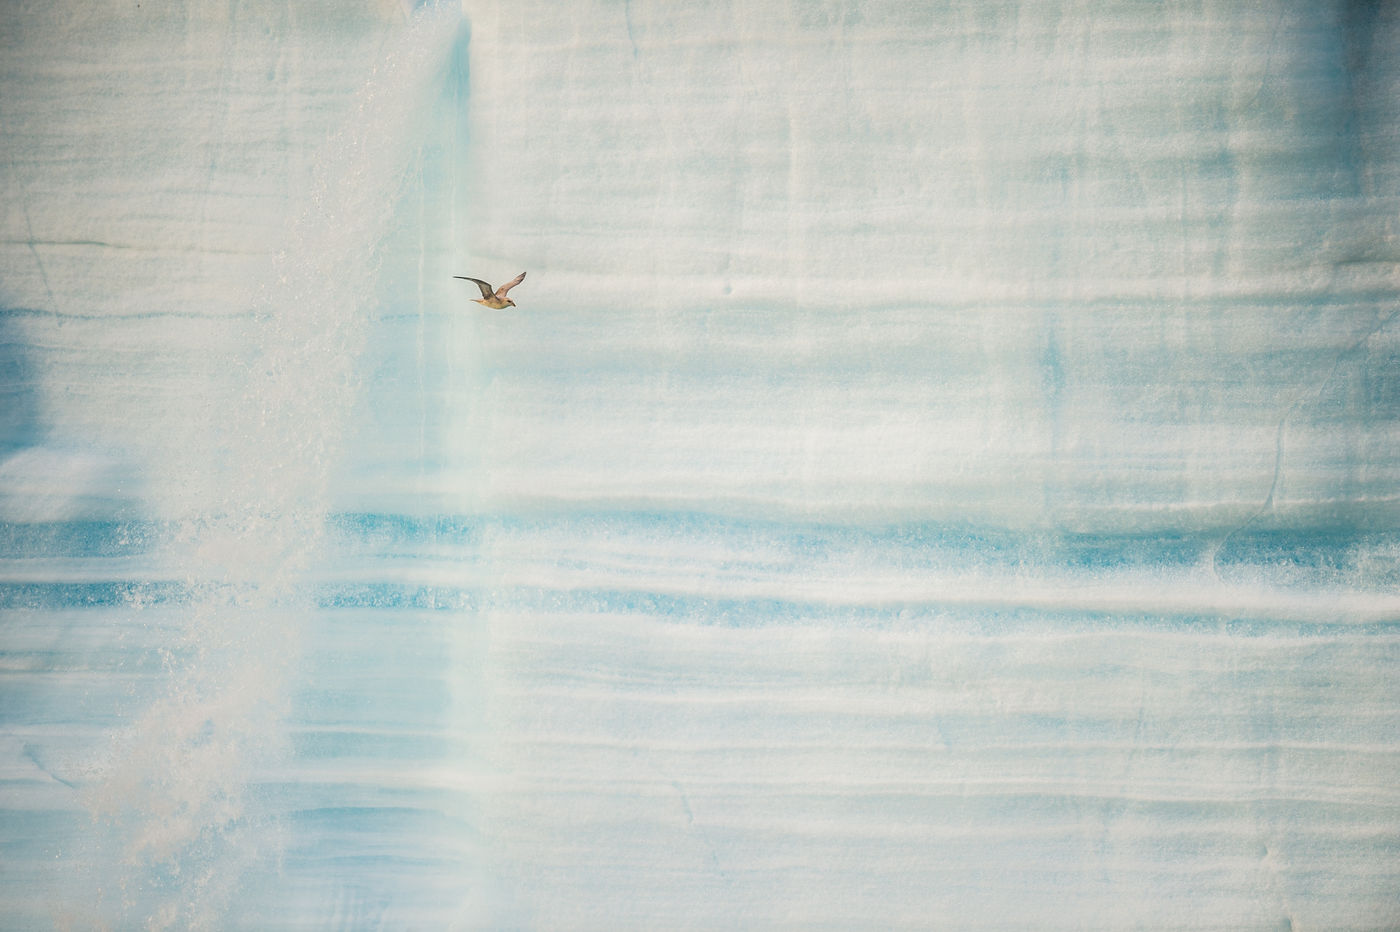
(941, 472)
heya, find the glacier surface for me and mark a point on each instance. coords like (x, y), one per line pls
(943, 470)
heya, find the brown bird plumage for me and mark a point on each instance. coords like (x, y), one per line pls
(496, 299)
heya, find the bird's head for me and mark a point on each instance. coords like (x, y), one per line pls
(510, 302)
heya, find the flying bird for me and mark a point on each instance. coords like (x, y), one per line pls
(496, 299)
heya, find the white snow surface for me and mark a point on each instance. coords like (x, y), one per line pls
(941, 473)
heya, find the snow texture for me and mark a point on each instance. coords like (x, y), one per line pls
(943, 470)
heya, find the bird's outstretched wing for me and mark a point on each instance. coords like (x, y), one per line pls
(501, 291)
(485, 288)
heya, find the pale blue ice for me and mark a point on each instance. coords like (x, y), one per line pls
(943, 471)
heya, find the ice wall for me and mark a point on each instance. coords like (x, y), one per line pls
(941, 472)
